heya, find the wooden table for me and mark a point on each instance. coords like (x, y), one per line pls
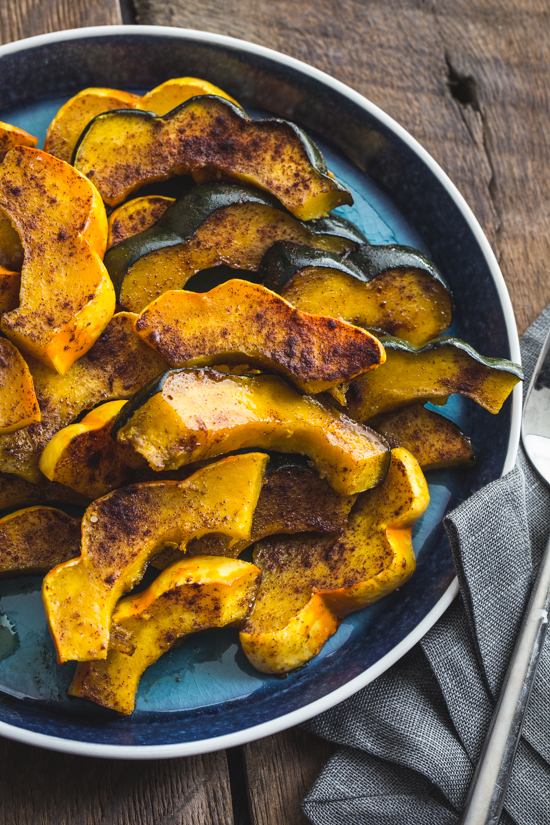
(470, 79)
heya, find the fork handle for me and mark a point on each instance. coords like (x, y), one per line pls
(490, 782)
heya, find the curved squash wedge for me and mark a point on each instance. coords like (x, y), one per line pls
(310, 583)
(18, 404)
(11, 136)
(135, 216)
(35, 539)
(176, 91)
(10, 284)
(207, 135)
(432, 439)
(116, 367)
(76, 113)
(66, 297)
(17, 492)
(413, 375)
(191, 595)
(396, 289)
(188, 415)
(85, 457)
(294, 499)
(242, 322)
(213, 224)
(123, 530)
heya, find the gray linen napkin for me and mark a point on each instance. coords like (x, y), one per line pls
(411, 738)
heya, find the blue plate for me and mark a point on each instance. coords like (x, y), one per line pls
(205, 695)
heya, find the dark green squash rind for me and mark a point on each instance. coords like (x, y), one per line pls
(375, 260)
(501, 364)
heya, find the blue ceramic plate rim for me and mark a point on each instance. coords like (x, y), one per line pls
(334, 697)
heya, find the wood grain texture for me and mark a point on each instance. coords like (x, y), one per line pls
(26, 18)
(470, 80)
(42, 788)
(280, 771)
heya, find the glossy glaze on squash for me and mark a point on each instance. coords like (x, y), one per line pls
(207, 136)
(188, 415)
(193, 594)
(35, 539)
(66, 296)
(212, 224)
(115, 368)
(385, 293)
(309, 583)
(243, 322)
(123, 530)
(18, 404)
(413, 375)
(432, 439)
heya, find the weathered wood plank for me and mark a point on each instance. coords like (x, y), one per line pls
(281, 770)
(39, 787)
(26, 18)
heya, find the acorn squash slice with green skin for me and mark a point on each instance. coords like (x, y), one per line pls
(207, 136)
(395, 290)
(243, 322)
(413, 375)
(66, 296)
(35, 539)
(213, 224)
(117, 365)
(309, 583)
(188, 415)
(432, 439)
(294, 499)
(18, 402)
(123, 530)
(192, 595)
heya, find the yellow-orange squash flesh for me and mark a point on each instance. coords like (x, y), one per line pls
(36, 539)
(134, 216)
(309, 583)
(123, 530)
(11, 136)
(294, 499)
(10, 284)
(85, 457)
(66, 297)
(118, 364)
(18, 404)
(432, 374)
(76, 113)
(191, 595)
(176, 91)
(241, 321)
(408, 303)
(189, 415)
(433, 440)
(206, 135)
(237, 235)
(17, 492)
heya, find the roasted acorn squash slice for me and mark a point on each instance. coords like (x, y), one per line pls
(85, 457)
(213, 224)
(242, 322)
(135, 216)
(123, 530)
(294, 499)
(116, 367)
(433, 440)
(66, 297)
(11, 136)
(431, 373)
(36, 539)
(396, 289)
(18, 404)
(193, 594)
(17, 492)
(188, 415)
(309, 582)
(11, 249)
(10, 284)
(207, 135)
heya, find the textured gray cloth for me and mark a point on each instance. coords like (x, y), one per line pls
(411, 738)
